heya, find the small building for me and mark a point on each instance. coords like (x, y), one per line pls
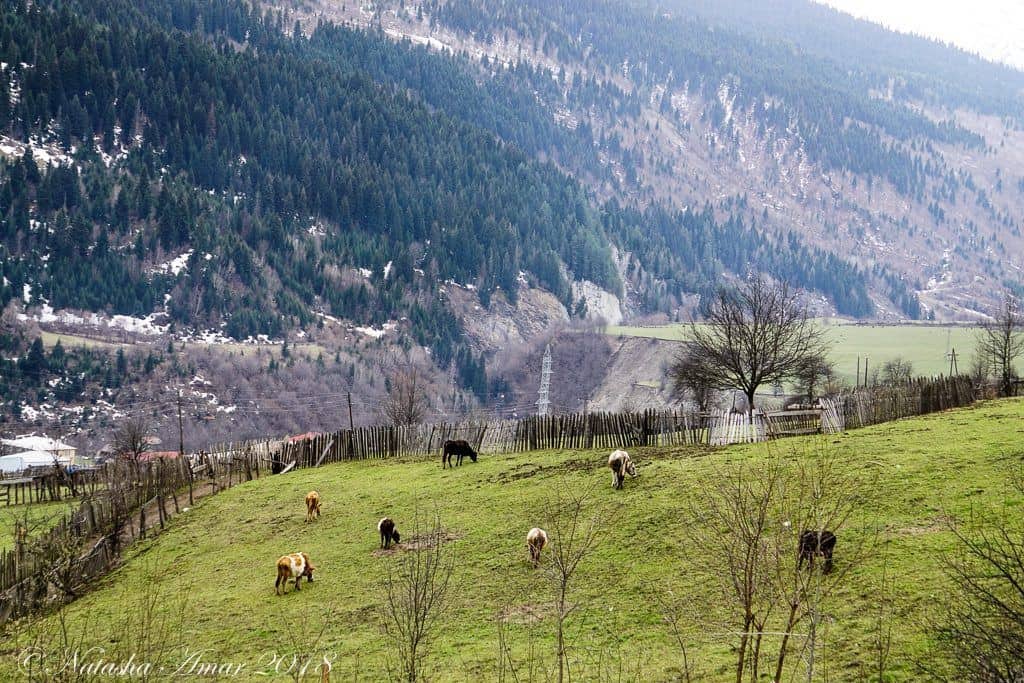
(303, 437)
(42, 444)
(19, 462)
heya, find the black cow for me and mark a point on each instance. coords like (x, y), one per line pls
(816, 543)
(388, 532)
(458, 448)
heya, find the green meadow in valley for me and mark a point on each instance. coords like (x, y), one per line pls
(924, 345)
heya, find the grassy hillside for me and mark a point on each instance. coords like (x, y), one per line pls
(923, 344)
(210, 576)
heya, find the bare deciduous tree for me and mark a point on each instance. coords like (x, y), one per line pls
(574, 524)
(897, 370)
(414, 594)
(689, 383)
(130, 440)
(755, 334)
(818, 494)
(406, 401)
(1002, 342)
(818, 373)
(980, 368)
(733, 525)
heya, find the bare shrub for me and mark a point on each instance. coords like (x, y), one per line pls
(981, 628)
(897, 370)
(414, 598)
(148, 639)
(690, 384)
(818, 374)
(304, 634)
(574, 524)
(748, 529)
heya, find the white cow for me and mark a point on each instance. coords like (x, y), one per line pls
(536, 539)
(620, 465)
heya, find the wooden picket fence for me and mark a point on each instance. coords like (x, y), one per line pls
(572, 431)
(874, 405)
(856, 408)
(131, 501)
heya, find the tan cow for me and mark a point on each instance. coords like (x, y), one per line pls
(312, 506)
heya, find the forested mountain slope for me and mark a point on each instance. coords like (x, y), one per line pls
(280, 170)
(897, 152)
(214, 170)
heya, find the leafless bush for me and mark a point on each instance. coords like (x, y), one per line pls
(574, 524)
(747, 529)
(690, 384)
(43, 649)
(897, 370)
(982, 624)
(148, 639)
(678, 613)
(305, 634)
(414, 598)
(817, 374)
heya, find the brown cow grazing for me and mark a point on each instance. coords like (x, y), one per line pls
(293, 566)
(460, 449)
(312, 506)
(536, 539)
(388, 532)
(814, 543)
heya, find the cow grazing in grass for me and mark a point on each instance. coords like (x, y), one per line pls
(460, 449)
(312, 506)
(813, 543)
(536, 539)
(388, 532)
(293, 566)
(620, 465)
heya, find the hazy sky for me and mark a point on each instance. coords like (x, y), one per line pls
(991, 28)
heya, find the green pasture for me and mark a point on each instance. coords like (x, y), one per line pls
(207, 583)
(925, 345)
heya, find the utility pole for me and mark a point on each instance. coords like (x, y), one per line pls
(543, 400)
(858, 372)
(181, 429)
(953, 369)
(865, 371)
(181, 452)
(351, 425)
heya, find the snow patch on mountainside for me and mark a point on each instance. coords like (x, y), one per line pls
(377, 332)
(175, 266)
